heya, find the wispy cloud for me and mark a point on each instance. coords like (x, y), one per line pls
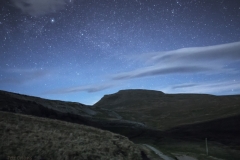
(159, 70)
(184, 86)
(20, 76)
(39, 7)
(84, 88)
(210, 59)
(227, 87)
(225, 53)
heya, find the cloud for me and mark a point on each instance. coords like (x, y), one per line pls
(159, 70)
(20, 76)
(184, 86)
(226, 87)
(224, 53)
(39, 7)
(86, 88)
(210, 59)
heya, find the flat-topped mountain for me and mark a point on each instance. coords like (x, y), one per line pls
(128, 98)
(164, 111)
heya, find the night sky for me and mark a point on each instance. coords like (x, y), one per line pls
(80, 50)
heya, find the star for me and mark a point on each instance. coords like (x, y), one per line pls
(52, 20)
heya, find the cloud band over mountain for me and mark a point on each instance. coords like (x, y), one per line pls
(210, 59)
(229, 87)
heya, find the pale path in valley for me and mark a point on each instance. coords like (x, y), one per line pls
(184, 157)
(165, 157)
(160, 154)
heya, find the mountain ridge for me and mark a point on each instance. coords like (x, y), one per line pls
(151, 107)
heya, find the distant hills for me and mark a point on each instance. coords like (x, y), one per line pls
(68, 111)
(146, 116)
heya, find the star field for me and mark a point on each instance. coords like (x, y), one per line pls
(78, 50)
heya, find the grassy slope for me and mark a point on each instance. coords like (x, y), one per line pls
(165, 111)
(32, 137)
(67, 111)
(18, 101)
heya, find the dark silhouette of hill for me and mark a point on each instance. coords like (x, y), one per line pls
(144, 115)
(165, 111)
(67, 111)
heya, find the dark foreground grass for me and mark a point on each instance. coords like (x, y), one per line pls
(29, 137)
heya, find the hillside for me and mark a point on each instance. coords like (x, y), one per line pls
(165, 111)
(175, 123)
(67, 111)
(28, 137)
(129, 108)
